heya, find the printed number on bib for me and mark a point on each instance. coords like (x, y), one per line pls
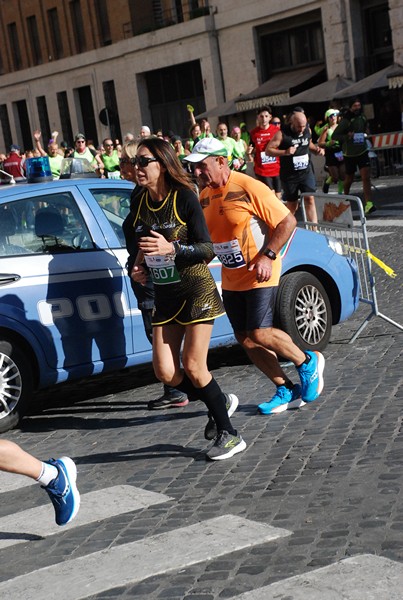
(300, 162)
(230, 254)
(163, 270)
(267, 159)
(358, 138)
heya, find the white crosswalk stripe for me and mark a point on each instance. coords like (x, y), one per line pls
(10, 482)
(364, 577)
(38, 523)
(136, 561)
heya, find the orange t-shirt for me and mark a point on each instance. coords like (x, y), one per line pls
(240, 217)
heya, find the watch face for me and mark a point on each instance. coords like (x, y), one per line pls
(270, 254)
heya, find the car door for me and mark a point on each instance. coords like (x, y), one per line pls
(113, 203)
(61, 285)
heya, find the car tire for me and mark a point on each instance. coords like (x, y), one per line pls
(16, 384)
(303, 311)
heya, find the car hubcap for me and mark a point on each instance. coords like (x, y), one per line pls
(311, 315)
(10, 385)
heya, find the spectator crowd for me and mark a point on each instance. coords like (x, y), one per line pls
(278, 148)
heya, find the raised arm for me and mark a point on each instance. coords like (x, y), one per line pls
(37, 137)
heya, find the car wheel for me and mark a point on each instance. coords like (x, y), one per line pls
(303, 311)
(16, 384)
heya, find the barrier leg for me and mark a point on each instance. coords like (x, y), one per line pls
(362, 327)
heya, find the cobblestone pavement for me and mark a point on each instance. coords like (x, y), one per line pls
(330, 473)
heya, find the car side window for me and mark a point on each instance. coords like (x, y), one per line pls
(49, 223)
(115, 204)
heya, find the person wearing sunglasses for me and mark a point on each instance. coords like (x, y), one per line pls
(81, 150)
(110, 157)
(334, 159)
(173, 245)
(352, 132)
(171, 397)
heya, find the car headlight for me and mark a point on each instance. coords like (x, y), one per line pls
(337, 246)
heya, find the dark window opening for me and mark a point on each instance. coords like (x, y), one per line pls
(378, 37)
(65, 120)
(23, 122)
(103, 22)
(55, 36)
(43, 119)
(78, 27)
(151, 15)
(87, 114)
(112, 107)
(5, 125)
(15, 46)
(169, 91)
(34, 42)
(292, 43)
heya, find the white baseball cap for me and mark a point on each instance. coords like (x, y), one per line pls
(208, 146)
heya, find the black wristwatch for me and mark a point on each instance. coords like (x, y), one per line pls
(270, 254)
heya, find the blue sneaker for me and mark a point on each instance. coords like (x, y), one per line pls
(63, 491)
(311, 376)
(282, 400)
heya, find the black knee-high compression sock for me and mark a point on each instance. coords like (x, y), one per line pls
(187, 387)
(214, 399)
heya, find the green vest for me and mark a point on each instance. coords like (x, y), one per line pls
(55, 164)
(111, 163)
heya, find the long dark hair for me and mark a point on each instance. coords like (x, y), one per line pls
(175, 175)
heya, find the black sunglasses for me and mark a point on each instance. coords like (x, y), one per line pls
(140, 161)
(276, 122)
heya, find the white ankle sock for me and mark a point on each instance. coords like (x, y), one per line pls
(48, 473)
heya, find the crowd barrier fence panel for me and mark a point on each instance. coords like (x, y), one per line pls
(386, 154)
(342, 217)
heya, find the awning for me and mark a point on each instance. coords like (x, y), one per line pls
(395, 79)
(222, 110)
(372, 82)
(321, 93)
(276, 90)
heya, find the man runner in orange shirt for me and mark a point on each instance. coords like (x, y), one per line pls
(248, 226)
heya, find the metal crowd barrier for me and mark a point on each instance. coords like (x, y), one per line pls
(386, 161)
(386, 154)
(342, 217)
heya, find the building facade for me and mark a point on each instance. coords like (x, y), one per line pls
(105, 68)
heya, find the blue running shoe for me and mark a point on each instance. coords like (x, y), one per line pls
(63, 491)
(311, 376)
(282, 400)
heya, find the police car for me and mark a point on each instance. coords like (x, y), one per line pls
(67, 310)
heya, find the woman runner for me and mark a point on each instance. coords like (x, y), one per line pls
(175, 248)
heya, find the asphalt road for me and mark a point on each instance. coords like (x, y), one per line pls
(311, 510)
